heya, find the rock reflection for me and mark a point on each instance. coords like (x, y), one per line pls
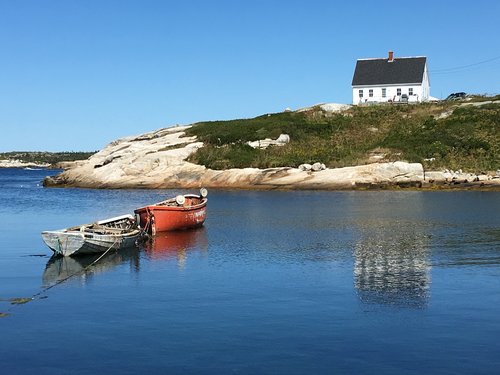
(177, 245)
(61, 268)
(391, 265)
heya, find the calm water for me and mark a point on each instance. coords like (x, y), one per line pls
(275, 283)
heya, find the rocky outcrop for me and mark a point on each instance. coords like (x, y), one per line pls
(141, 161)
(67, 164)
(10, 163)
(282, 140)
(461, 179)
(158, 160)
(328, 107)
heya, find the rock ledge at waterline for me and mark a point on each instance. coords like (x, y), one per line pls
(158, 160)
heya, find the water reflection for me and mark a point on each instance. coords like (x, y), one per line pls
(392, 266)
(61, 268)
(167, 246)
(177, 245)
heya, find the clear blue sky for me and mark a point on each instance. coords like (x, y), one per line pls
(75, 75)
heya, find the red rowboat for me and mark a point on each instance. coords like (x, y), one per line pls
(182, 212)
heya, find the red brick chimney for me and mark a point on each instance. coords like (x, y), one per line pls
(391, 56)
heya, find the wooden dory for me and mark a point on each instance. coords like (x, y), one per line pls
(116, 233)
(182, 212)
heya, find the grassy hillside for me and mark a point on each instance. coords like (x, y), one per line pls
(41, 157)
(468, 139)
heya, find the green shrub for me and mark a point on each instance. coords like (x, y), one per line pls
(467, 139)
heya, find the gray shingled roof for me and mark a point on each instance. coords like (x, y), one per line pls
(382, 72)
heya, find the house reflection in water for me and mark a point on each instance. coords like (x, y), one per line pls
(391, 265)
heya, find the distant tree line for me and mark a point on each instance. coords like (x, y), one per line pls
(40, 157)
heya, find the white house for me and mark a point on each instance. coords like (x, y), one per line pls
(391, 79)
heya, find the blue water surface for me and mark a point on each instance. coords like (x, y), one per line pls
(276, 282)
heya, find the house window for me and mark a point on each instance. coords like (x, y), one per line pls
(384, 92)
(370, 93)
(410, 91)
(360, 93)
(398, 92)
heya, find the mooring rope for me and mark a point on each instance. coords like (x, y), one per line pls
(22, 301)
(78, 272)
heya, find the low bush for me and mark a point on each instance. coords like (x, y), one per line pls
(468, 138)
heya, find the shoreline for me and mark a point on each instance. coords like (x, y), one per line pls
(487, 183)
(397, 176)
(442, 188)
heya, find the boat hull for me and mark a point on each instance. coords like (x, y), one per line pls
(163, 218)
(71, 243)
(111, 234)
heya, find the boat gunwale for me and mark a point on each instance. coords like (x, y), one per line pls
(81, 230)
(74, 232)
(162, 206)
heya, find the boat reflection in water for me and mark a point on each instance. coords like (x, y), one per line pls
(391, 265)
(164, 246)
(60, 268)
(177, 245)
